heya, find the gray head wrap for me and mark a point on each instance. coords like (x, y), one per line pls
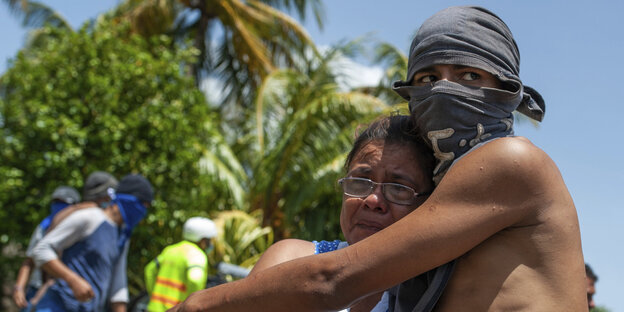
(474, 37)
(97, 185)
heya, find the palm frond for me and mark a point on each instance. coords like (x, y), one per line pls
(220, 163)
(36, 15)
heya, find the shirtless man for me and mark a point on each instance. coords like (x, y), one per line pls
(502, 210)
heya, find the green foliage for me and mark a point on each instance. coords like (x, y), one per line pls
(303, 129)
(241, 239)
(101, 99)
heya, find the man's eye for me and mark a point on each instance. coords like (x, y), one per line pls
(470, 76)
(428, 78)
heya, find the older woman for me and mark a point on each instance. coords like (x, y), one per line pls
(389, 174)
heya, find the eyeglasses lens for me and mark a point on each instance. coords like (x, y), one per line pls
(396, 193)
(357, 187)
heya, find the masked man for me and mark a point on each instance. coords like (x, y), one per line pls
(87, 252)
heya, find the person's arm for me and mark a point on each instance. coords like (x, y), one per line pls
(491, 188)
(118, 307)
(45, 254)
(282, 251)
(61, 215)
(19, 289)
(149, 272)
(197, 271)
(80, 287)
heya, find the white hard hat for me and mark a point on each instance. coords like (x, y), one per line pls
(197, 228)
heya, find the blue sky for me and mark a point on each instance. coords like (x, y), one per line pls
(570, 53)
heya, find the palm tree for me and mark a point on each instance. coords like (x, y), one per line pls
(303, 129)
(36, 15)
(395, 69)
(241, 239)
(239, 42)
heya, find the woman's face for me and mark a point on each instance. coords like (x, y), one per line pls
(393, 163)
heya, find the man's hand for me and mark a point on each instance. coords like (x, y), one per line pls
(19, 297)
(81, 288)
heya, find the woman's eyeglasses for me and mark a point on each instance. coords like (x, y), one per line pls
(393, 192)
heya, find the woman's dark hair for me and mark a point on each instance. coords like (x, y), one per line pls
(394, 129)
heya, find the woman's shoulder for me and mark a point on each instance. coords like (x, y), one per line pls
(282, 251)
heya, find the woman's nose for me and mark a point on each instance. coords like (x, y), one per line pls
(376, 200)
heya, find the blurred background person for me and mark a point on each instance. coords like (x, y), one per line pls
(29, 278)
(87, 252)
(182, 268)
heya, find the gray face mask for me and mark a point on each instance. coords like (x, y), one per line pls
(453, 118)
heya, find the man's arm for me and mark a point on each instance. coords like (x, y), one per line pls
(119, 307)
(19, 289)
(61, 215)
(149, 273)
(19, 295)
(80, 287)
(45, 254)
(494, 187)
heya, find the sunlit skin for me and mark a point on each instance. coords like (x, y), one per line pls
(362, 217)
(468, 76)
(513, 231)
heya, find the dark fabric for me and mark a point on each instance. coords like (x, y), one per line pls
(454, 118)
(420, 294)
(132, 211)
(475, 37)
(137, 186)
(400, 300)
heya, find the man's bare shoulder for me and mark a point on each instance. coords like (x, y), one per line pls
(533, 248)
(507, 160)
(282, 251)
(516, 151)
(508, 179)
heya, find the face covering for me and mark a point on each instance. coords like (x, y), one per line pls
(54, 209)
(453, 118)
(132, 211)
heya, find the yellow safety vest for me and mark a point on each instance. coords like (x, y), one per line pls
(178, 271)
